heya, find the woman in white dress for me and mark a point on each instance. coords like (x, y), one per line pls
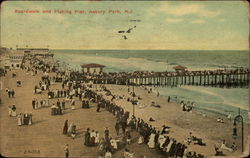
(30, 118)
(36, 104)
(73, 104)
(19, 119)
(22, 121)
(151, 143)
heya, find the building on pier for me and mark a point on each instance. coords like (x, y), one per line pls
(180, 68)
(92, 68)
(43, 52)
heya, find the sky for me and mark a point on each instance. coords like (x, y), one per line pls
(207, 25)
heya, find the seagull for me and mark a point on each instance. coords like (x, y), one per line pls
(121, 31)
(129, 30)
(135, 20)
(125, 37)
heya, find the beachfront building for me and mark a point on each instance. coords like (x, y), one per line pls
(13, 59)
(92, 68)
(180, 68)
(43, 52)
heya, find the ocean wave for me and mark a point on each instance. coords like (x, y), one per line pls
(121, 64)
(223, 98)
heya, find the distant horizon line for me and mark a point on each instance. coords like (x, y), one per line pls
(133, 49)
(162, 49)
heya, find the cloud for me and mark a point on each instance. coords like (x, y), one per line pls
(172, 20)
(187, 9)
(198, 21)
(221, 20)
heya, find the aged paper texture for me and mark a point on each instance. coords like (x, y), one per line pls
(132, 79)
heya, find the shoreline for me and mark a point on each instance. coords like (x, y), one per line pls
(213, 112)
(184, 125)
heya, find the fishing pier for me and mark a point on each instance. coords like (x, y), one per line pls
(215, 78)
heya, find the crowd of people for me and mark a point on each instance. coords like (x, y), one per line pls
(40, 104)
(148, 134)
(91, 138)
(126, 123)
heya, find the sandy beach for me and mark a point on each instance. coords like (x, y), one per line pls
(44, 137)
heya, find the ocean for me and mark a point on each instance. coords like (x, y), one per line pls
(218, 101)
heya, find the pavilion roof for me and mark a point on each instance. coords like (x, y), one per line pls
(179, 67)
(92, 65)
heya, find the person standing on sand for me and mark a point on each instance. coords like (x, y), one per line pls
(22, 120)
(66, 150)
(12, 93)
(169, 99)
(73, 104)
(92, 138)
(30, 118)
(117, 127)
(36, 103)
(33, 103)
(9, 92)
(63, 104)
(97, 137)
(19, 121)
(13, 111)
(98, 107)
(73, 133)
(70, 128)
(87, 137)
(10, 110)
(106, 133)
